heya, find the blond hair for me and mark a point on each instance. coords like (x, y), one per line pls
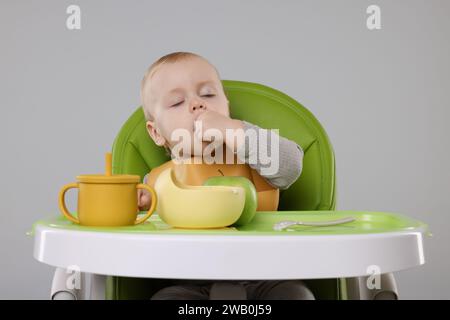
(168, 58)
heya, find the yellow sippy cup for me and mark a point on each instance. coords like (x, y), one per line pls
(107, 200)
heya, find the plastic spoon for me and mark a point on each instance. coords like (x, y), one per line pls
(279, 226)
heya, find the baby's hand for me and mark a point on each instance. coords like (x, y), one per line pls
(144, 197)
(215, 120)
(144, 200)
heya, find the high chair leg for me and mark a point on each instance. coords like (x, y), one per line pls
(61, 286)
(357, 288)
(83, 286)
(97, 287)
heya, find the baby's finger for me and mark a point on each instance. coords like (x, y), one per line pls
(145, 199)
(140, 196)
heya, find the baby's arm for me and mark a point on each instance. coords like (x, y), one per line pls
(290, 158)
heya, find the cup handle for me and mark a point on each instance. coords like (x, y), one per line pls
(62, 204)
(152, 206)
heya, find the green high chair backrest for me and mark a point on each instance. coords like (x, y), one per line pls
(134, 152)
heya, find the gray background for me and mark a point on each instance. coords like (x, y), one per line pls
(381, 95)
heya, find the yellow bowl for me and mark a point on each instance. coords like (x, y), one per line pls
(186, 206)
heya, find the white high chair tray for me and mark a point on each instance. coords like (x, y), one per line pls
(381, 241)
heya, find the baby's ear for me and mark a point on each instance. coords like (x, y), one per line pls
(154, 134)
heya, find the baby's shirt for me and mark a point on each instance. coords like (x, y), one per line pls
(290, 156)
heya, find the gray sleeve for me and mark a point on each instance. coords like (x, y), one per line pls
(289, 160)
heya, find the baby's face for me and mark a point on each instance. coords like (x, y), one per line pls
(178, 93)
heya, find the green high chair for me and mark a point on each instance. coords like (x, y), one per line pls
(135, 153)
(337, 262)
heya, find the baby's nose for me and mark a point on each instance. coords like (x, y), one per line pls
(198, 107)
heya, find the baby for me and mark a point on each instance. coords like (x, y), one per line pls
(183, 91)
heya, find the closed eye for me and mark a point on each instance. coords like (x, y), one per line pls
(209, 95)
(177, 104)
